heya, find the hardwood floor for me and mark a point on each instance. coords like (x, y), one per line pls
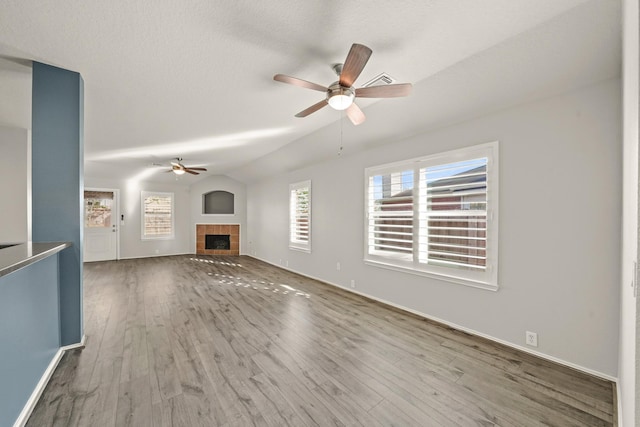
(232, 341)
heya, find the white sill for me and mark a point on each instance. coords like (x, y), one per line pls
(446, 278)
(299, 249)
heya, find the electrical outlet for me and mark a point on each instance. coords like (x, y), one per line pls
(287, 263)
(353, 284)
(531, 338)
(338, 266)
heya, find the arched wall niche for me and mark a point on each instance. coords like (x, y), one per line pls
(218, 202)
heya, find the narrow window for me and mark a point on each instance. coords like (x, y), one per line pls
(300, 216)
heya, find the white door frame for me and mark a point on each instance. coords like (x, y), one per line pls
(116, 197)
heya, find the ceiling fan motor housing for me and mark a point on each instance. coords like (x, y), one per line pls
(340, 97)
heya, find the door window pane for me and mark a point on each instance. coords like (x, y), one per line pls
(97, 209)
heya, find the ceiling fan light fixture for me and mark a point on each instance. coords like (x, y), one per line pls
(340, 97)
(178, 171)
(340, 102)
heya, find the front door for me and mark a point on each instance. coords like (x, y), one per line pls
(100, 225)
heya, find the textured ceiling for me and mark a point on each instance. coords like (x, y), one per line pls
(193, 78)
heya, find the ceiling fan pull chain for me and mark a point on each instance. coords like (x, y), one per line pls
(341, 143)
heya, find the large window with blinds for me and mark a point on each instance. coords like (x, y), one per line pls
(436, 215)
(157, 215)
(300, 216)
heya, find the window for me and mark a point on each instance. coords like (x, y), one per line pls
(97, 209)
(300, 216)
(436, 215)
(157, 215)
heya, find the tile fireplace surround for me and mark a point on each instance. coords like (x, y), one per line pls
(233, 230)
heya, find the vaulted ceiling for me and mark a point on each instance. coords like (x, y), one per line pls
(193, 78)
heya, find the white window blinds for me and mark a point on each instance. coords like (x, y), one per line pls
(390, 214)
(436, 215)
(453, 215)
(157, 215)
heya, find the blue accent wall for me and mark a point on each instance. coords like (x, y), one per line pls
(29, 332)
(57, 182)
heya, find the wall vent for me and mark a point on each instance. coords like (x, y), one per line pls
(382, 79)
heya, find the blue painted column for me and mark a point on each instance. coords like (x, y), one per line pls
(57, 182)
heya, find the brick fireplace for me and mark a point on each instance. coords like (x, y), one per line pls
(232, 230)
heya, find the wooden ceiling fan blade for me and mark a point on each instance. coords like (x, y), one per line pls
(355, 114)
(389, 91)
(313, 108)
(190, 171)
(196, 169)
(299, 82)
(357, 58)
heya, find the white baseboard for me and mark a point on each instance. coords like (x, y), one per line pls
(153, 256)
(42, 384)
(76, 345)
(37, 392)
(460, 328)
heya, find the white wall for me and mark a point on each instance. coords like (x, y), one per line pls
(216, 183)
(131, 243)
(628, 312)
(560, 201)
(15, 185)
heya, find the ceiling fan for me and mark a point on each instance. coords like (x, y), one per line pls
(340, 94)
(179, 169)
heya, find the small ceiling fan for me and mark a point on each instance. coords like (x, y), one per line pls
(179, 169)
(340, 94)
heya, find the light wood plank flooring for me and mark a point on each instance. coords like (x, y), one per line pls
(232, 341)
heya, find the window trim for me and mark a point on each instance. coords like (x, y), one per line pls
(484, 280)
(143, 196)
(295, 244)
